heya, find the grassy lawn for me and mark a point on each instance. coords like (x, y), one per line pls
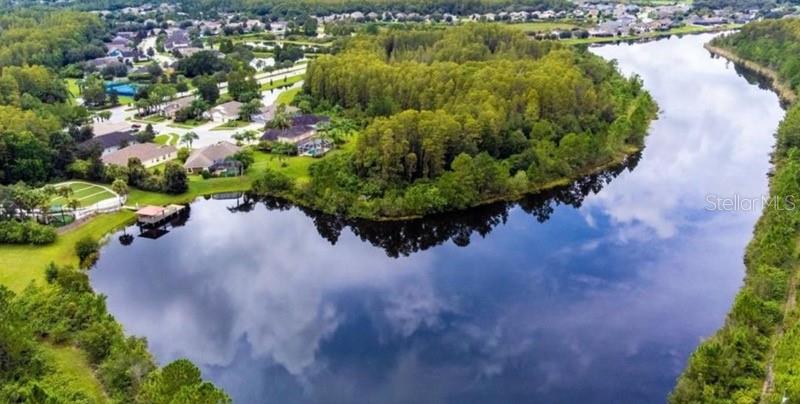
(543, 26)
(281, 82)
(167, 139)
(72, 87)
(87, 194)
(23, 264)
(155, 118)
(287, 96)
(72, 369)
(230, 125)
(189, 124)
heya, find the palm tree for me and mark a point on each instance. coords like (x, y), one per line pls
(250, 136)
(74, 204)
(66, 193)
(189, 137)
(281, 120)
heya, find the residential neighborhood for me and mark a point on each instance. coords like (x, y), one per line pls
(417, 201)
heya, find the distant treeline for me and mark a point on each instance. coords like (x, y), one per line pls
(736, 4)
(52, 39)
(760, 335)
(319, 7)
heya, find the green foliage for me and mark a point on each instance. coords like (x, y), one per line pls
(26, 232)
(207, 88)
(201, 63)
(86, 249)
(771, 43)
(68, 312)
(53, 39)
(175, 179)
(273, 183)
(454, 114)
(179, 382)
(242, 85)
(731, 365)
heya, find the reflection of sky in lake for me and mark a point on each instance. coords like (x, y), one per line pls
(598, 304)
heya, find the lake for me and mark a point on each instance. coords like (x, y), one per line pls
(596, 293)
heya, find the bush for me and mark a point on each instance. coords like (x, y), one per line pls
(175, 180)
(86, 249)
(183, 154)
(26, 232)
(273, 183)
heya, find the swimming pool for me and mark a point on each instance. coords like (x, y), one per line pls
(128, 89)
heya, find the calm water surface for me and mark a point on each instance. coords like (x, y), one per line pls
(596, 293)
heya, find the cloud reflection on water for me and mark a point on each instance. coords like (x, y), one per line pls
(599, 304)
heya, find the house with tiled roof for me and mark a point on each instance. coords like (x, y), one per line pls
(150, 154)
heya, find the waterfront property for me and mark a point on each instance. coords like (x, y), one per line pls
(152, 215)
(644, 251)
(150, 154)
(212, 158)
(303, 128)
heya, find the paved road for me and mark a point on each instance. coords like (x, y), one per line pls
(205, 132)
(161, 58)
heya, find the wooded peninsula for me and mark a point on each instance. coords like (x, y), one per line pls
(461, 117)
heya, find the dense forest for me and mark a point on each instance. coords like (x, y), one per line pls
(761, 335)
(457, 118)
(34, 101)
(49, 39)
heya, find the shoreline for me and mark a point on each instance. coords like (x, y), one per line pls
(776, 84)
(754, 259)
(561, 182)
(648, 36)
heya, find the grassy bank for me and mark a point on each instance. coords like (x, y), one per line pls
(753, 357)
(780, 86)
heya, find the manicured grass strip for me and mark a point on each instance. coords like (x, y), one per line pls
(86, 194)
(231, 125)
(167, 139)
(287, 96)
(281, 82)
(190, 124)
(77, 186)
(97, 197)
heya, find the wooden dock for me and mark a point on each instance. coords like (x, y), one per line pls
(155, 216)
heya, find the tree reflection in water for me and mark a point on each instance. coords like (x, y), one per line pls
(409, 236)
